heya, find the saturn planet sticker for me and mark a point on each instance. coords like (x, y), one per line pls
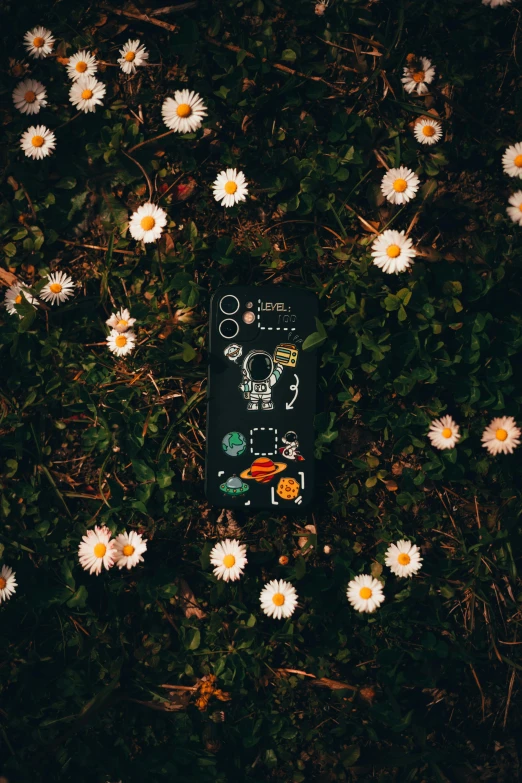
(263, 470)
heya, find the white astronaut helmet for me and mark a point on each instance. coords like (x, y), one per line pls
(258, 365)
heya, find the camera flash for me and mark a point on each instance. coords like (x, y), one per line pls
(249, 317)
(249, 305)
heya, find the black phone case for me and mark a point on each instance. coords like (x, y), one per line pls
(261, 399)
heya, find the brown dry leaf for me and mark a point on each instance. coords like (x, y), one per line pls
(303, 540)
(7, 278)
(188, 602)
(392, 486)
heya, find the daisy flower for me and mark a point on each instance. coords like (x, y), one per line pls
(515, 210)
(8, 583)
(15, 295)
(444, 433)
(416, 77)
(59, 288)
(120, 320)
(230, 187)
(132, 56)
(121, 343)
(229, 559)
(365, 593)
(496, 3)
(428, 131)
(39, 42)
(38, 142)
(147, 223)
(29, 96)
(501, 436)
(129, 549)
(86, 93)
(97, 550)
(184, 112)
(278, 599)
(403, 558)
(392, 252)
(81, 64)
(400, 185)
(512, 160)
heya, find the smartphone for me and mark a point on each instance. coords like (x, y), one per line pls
(261, 398)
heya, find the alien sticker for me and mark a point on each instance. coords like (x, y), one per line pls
(260, 372)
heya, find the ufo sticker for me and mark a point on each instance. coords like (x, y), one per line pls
(263, 470)
(234, 486)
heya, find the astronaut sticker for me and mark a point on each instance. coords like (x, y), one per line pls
(261, 371)
(291, 448)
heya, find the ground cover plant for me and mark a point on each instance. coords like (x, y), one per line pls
(155, 668)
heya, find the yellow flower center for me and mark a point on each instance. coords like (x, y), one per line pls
(122, 324)
(229, 561)
(184, 110)
(403, 558)
(128, 550)
(121, 340)
(230, 187)
(37, 141)
(365, 593)
(278, 599)
(38, 42)
(393, 251)
(520, 206)
(130, 56)
(18, 299)
(80, 66)
(446, 432)
(30, 96)
(148, 223)
(518, 161)
(501, 434)
(428, 130)
(418, 76)
(400, 185)
(99, 550)
(55, 288)
(86, 94)
(3, 583)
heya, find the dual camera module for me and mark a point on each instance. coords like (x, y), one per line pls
(229, 305)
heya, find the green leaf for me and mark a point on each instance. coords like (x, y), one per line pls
(142, 471)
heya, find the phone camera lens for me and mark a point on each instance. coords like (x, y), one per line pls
(228, 328)
(229, 304)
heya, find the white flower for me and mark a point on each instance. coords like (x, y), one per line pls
(97, 550)
(59, 288)
(15, 295)
(515, 210)
(121, 343)
(29, 96)
(365, 593)
(392, 252)
(428, 131)
(147, 223)
(501, 436)
(39, 42)
(230, 187)
(8, 583)
(417, 77)
(444, 433)
(120, 320)
(81, 64)
(400, 185)
(278, 599)
(403, 558)
(512, 160)
(185, 112)
(86, 93)
(229, 559)
(132, 56)
(496, 3)
(38, 142)
(129, 548)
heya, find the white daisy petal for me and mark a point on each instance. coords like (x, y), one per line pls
(58, 289)
(230, 187)
(428, 131)
(128, 549)
(185, 112)
(147, 223)
(444, 433)
(278, 599)
(229, 559)
(121, 320)
(8, 583)
(29, 96)
(403, 558)
(86, 93)
(15, 295)
(392, 252)
(81, 64)
(501, 436)
(400, 185)
(496, 3)
(38, 142)
(39, 42)
(515, 210)
(97, 550)
(512, 160)
(121, 343)
(418, 75)
(132, 56)
(365, 593)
